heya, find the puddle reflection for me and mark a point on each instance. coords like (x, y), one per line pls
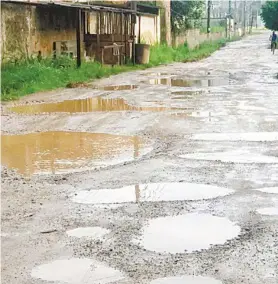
(84, 105)
(190, 83)
(152, 192)
(117, 87)
(186, 233)
(61, 152)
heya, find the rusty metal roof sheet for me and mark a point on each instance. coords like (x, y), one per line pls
(71, 5)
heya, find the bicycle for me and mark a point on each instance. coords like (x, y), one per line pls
(273, 47)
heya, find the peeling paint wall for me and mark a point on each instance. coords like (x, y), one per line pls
(15, 31)
(27, 29)
(149, 30)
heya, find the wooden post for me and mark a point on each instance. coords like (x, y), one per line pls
(78, 37)
(98, 37)
(121, 33)
(133, 21)
(139, 32)
(125, 31)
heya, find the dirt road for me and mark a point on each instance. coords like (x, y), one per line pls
(169, 175)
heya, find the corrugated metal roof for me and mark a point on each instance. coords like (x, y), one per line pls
(71, 5)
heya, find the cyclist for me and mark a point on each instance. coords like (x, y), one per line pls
(273, 39)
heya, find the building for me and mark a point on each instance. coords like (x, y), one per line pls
(105, 31)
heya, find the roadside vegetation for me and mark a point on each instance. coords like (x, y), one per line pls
(27, 77)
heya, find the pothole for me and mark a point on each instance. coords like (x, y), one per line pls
(117, 87)
(97, 104)
(77, 270)
(273, 189)
(249, 136)
(271, 211)
(94, 233)
(186, 233)
(175, 82)
(186, 279)
(62, 152)
(232, 157)
(152, 192)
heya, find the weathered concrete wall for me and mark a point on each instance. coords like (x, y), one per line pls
(16, 31)
(149, 30)
(26, 30)
(165, 21)
(193, 38)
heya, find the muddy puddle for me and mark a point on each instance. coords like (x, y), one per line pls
(61, 152)
(84, 105)
(186, 233)
(76, 270)
(181, 95)
(186, 279)
(93, 233)
(174, 82)
(117, 87)
(152, 192)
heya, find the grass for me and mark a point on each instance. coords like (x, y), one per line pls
(213, 29)
(31, 76)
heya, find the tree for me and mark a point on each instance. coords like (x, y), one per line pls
(186, 14)
(270, 14)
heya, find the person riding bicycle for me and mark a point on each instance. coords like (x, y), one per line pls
(273, 39)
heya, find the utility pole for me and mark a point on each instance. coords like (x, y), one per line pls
(230, 18)
(208, 19)
(244, 17)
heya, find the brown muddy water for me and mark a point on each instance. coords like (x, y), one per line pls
(117, 87)
(83, 105)
(61, 152)
(175, 82)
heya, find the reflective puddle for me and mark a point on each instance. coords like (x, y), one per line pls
(61, 152)
(105, 88)
(186, 233)
(233, 157)
(174, 82)
(83, 105)
(186, 279)
(118, 87)
(273, 189)
(181, 95)
(271, 211)
(153, 192)
(77, 271)
(94, 233)
(249, 136)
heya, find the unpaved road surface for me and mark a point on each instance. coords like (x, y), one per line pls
(173, 179)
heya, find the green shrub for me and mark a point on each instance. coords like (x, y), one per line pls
(26, 77)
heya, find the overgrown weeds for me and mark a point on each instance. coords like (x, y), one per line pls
(27, 77)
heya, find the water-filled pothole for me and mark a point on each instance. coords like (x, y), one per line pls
(186, 233)
(248, 136)
(117, 87)
(181, 95)
(186, 279)
(153, 192)
(271, 211)
(77, 270)
(105, 88)
(60, 152)
(233, 157)
(175, 82)
(94, 233)
(97, 104)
